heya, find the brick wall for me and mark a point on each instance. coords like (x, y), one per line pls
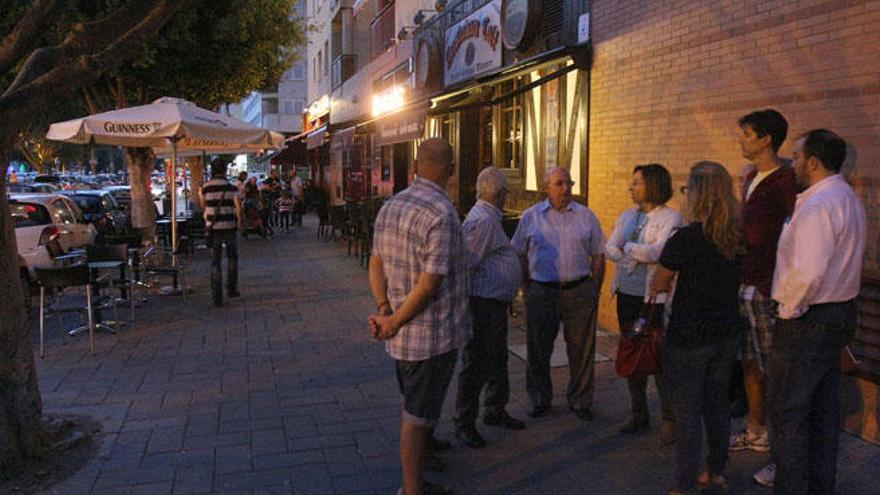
(671, 77)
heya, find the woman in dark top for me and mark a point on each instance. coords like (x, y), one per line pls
(704, 328)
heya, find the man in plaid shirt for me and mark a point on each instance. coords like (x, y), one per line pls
(418, 277)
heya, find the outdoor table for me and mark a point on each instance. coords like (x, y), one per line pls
(109, 326)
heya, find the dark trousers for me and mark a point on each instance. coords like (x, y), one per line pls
(284, 219)
(575, 308)
(484, 362)
(804, 383)
(697, 380)
(628, 310)
(216, 240)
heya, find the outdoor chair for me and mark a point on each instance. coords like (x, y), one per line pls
(323, 218)
(157, 262)
(353, 226)
(58, 280)
(124, 282)
(337, 220)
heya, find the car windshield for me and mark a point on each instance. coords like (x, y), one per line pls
(29, 214)
(89, 204)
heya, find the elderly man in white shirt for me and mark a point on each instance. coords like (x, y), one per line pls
(562, 247)
(818, 269)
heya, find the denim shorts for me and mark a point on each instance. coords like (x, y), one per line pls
(423, 386)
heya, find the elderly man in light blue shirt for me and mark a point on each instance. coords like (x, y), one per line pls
(562, 247)
(495, 278)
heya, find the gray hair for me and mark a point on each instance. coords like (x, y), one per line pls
(548, 172)
(490, 181)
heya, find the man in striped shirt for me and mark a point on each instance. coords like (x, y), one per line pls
(495, 278)
(222, 205)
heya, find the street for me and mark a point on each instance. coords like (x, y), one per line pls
(283, 391)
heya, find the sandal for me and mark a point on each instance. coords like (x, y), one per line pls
(717, 483)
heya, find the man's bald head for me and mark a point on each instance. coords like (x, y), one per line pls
(434, 161)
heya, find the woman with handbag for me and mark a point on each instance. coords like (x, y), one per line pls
(635, 246)
(702, 337)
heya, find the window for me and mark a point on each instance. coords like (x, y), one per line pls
(61, 214)
(510, 136)
(314, 69)
(298, 106)
(326, 57)
(298, 71)
(320, 58)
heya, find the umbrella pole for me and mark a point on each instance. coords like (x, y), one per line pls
(174, 197)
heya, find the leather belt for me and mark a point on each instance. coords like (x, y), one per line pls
(563, 285)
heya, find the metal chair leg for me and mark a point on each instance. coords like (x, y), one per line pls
(42, 322)
(91, 320)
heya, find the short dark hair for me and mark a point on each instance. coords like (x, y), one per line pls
(218, 167)
(765, 122)
(658, 182)
(826, 146)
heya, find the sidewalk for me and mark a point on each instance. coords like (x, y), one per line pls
(282, 391)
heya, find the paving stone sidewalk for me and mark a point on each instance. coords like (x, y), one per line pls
(282, 391)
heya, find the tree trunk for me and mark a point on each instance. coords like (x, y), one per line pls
(197, 173)
(143, 210)
(21, 406)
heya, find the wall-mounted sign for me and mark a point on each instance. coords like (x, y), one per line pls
(473, 44)
(583, 28)
(520, 20)
(427, 67)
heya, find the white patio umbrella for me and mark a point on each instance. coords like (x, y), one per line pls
(166, 122)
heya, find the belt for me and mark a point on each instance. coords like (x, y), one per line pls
(563, 285)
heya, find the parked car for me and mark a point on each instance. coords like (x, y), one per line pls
(50, 179)
(101, 210)
(37, 187)
(122, 195)
(47, 225)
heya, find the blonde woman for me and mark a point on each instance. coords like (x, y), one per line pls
(635, 246)
(700, 344)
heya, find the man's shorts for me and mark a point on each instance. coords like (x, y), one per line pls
(423, 386)
(759, 309)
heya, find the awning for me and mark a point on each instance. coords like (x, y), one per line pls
(293, 154)
(401, 127)
(316, 138)
(342, 139)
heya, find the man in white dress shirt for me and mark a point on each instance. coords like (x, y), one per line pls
(817, 278)
(563, 249)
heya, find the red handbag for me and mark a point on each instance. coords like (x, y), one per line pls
(638, 351)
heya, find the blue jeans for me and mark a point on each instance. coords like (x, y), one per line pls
(804, 383)
(697, 380)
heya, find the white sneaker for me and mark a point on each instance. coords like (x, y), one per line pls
(746, 441)
(766, 476)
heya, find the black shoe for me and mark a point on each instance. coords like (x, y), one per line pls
(233, 293)
(470, 436)
(503, 420)
(539, 411)
(437, 444)
(583, 414)
(434, 462)
(634, 426)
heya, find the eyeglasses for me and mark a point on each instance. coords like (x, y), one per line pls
(684, 189)
(569, 183)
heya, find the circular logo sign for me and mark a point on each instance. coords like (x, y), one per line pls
(518, 18)
(426, 64)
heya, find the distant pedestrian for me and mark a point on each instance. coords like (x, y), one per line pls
(418, 277)
(702, 337)
(818, 276)
(562, 247)
(495, 280)
(635, 246)
(297, 191)
(240, 184)
(284, 205)
(768, 196)
(223, 218)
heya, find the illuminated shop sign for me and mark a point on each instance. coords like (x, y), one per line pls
(473, 45)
